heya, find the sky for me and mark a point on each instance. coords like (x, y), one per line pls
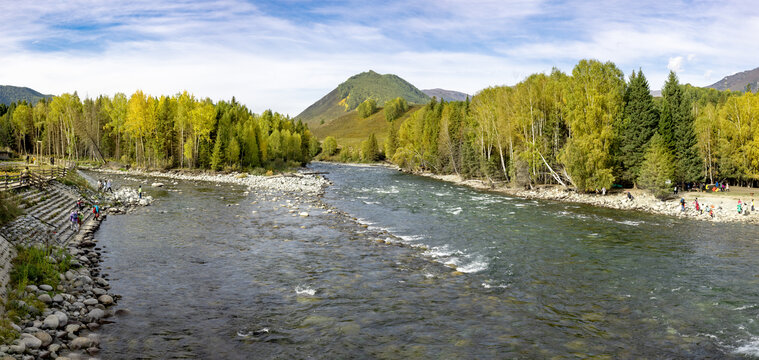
(285, 55)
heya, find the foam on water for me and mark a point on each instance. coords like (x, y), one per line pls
(473, 267)
(304, 290)
(411, 237)
(750, 348)
(392, 190)
(454, 211)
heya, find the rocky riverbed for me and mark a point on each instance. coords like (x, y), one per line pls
(66, 329)
(293, 182)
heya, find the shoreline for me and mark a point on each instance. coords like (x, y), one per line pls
(725, 209)
(74, 310)
(294, 182)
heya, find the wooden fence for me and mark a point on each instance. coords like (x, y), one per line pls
(34, 177)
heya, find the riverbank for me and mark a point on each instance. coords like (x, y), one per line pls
(60, 297)
(724, 204)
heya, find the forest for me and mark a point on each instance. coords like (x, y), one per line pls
(590, 129)
(156, 132)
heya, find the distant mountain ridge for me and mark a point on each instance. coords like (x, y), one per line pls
(738, 81)
(447, 95)
(348, 95)
(10, 94)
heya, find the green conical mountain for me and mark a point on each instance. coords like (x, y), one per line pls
(348, 95)
(10, 94)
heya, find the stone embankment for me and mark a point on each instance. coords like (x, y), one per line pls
(724, 210)
(295, 182)
(81, 302)
(75, 309)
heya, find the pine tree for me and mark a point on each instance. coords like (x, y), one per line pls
(369, 149)
(676, 127)
(391, 143)
(641, 119)
(216, 156)
(657, 169)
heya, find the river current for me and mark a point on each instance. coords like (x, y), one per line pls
(211, 271)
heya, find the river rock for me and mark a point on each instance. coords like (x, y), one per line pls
(45, 298)
(72, 328)
(54, 348)
(31, 289)
(51, 322)
(63, 319)
(58, 298)
(304, 214)
(90, 302)
(19, 348)
(30, 341)
(46, 287)
(105, 300)
(95, 314)
(80, 343)
(102, 282)
(157, 184)
(44, 337)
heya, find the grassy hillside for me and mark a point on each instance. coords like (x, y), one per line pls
(350, 129)
(10, 94)
(348, 95)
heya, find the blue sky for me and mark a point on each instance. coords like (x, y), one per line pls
(285, 55)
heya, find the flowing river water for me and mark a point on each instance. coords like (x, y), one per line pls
(209, 271)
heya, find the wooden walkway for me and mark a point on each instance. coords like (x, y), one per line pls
(35, 177)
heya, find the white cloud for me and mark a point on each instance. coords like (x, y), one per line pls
(675, 64)
(228, 48)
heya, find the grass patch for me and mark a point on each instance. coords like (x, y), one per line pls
(34, 265)
(38, 265)
(8, 209)
(73, 179)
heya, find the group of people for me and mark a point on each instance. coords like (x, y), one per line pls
(743, 208)
(77, 215)
(105, 186)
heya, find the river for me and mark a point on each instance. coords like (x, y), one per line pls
(210, 271)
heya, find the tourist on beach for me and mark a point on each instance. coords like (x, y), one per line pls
(752, 205)
(740, 207)
(108, 186)
(96, 211)
(675, 191)
(139, 191)
(711, 212)
(727, 187)
(629, 196)
(698, 207)
(603, 191)
(682, 204)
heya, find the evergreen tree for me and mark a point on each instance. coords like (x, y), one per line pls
(657, 169)
(676, 126)
(369, 150)
(216, 155)
(641, 119)
(391, 142)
